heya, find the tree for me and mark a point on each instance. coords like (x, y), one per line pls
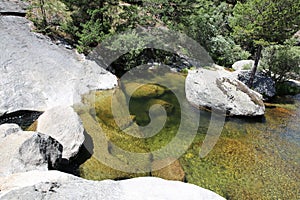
(208, 25)
(281, 62)
(259, 23)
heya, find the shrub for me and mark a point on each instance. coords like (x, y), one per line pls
(281, 62)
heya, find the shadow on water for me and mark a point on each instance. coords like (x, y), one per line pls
(71, 166)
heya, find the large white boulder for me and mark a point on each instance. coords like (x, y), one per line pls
(24, 151)
(36, 74)
(63, 124)
(219, 90)
(58, 185)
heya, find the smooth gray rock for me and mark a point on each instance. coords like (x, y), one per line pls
(243, 65)
(64, 125)
(36, 74)
(58, 185)
(218, 89)
(262, 84)
(8, 129)
(13, 7)
(24, 151)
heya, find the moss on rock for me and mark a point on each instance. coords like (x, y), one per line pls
(173, 171)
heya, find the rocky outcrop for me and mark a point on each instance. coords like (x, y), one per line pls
(218, 90)
(36, 74)
(262, 84)
(13, 7)
(57, 185)
(243, 65)
(64, 125)
(23, 151)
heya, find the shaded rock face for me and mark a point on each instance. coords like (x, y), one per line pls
(261, 84)
(218, 90)
(39, 149)
(64, 125)
(57, 185)
(36, 74)
(23, 151)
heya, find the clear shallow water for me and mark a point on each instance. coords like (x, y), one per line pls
(253, 159)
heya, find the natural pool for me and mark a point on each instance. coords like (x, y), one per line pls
(253, 158)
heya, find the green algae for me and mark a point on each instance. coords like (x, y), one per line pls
(251, 160)
(137, 90)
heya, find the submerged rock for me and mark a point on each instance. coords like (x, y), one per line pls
(24, 151)
(218, 90)
(64, 125)
(173, 171)
(36, 74)
(166, 105)
(58, 185)
(103, 101)
(138, 90)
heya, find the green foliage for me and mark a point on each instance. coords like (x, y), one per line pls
(208, 26)
(265, 22)
(281, 62)
(225, 52)
(48, 16)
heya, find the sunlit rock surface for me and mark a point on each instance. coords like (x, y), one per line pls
(57, 185)
(36, 74)
(218, 90)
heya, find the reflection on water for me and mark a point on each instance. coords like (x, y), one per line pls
(253, 159)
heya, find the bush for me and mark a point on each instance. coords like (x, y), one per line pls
(225, 52)
(281, 62)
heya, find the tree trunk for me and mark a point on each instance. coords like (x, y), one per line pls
(44, 20)
(254, 69)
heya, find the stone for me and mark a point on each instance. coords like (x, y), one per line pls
(261, 83)
(243, 65)
(24, 151)
(218, 90)
(57, 185)
(63, 124)
(169, 108)
(36, 74)
(13, 7)
(138, 90)
(173, 171)
(7, 129)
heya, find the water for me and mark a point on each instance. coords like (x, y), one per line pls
(253, 159)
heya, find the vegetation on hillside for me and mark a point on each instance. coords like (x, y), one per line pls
(229, 30)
